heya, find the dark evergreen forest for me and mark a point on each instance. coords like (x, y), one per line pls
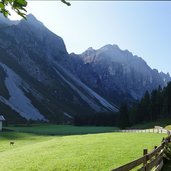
(153, 106)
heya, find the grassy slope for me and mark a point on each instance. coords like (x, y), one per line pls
(78, 152)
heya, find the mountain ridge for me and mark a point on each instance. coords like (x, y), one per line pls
(122, 67)
(53, 82)
(32, 52)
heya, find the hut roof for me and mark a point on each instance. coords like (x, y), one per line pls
(2, 118)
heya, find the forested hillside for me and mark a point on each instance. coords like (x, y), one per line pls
(153, 106)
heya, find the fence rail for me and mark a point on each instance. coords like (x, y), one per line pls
(149, 161)
(155, 130)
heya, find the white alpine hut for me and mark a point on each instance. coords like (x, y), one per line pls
(1, 119)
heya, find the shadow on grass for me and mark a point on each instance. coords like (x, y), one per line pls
(8, 134)
(61, 130)
(12, 135)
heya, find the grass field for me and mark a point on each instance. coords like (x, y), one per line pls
(103, 151)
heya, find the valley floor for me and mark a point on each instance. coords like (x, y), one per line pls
(103, 151)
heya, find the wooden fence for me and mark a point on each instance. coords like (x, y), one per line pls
(162, 131)
(149, 161)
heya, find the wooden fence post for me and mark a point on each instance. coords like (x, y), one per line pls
(149, 161)
(163, 140)
(145, 152)
(154, 149)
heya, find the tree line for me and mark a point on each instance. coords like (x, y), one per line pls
(153, 106)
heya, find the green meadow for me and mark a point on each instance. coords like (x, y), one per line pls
(60, 149)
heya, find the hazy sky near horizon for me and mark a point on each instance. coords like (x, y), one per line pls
(142, 27)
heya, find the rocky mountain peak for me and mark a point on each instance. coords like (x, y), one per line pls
(31, 19)
(165, 77)
(32, 22)
(90, 49)
(118, 71)
(110, 47)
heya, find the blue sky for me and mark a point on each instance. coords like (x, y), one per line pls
(144, 28)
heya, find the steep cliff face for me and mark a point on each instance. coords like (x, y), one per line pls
(34, 84)
(165, 77)
(116, 74)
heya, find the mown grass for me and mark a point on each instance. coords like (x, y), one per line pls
(103, 151)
